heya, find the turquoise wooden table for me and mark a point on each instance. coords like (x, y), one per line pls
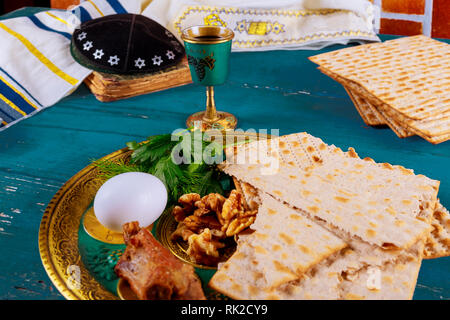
(276, 89)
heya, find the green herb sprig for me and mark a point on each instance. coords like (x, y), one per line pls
(181, 172)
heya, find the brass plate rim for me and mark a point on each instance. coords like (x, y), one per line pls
(89, 288)
(46, 254)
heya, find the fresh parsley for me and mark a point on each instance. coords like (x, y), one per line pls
(185, 165)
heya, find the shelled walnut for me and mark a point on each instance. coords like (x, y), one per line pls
(207, 222)
(188, 202)
(197, 224)
(203, 248)
(239, 224)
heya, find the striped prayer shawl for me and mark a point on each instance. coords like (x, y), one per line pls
(36, 67)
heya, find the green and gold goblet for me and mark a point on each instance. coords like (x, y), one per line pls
(208, 51)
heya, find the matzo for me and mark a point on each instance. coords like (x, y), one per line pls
(370, 115)
(327, 188)
(338, 279)
(408, 88)
(396, 282)
(411, 74)
(438, 244)
(288, 243)
(368, 254)
(332, 278)
(365, 215)
(313, 150)
(283, 247)
(369, 111)
(340, 276)
(250, 194)
(434, 129)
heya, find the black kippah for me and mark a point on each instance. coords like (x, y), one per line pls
(125, 44)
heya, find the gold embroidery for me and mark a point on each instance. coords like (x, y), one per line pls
(260, 28)
(257, 27)
(213, 19)
(259, 43)
(241, 26)
(277, 27)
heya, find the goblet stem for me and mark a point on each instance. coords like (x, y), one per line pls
(211, 112)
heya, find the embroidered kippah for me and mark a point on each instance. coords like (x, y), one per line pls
(125, 44)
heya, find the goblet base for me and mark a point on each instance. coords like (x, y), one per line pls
(223, 121)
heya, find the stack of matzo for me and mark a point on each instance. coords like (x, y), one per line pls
(111, 87)
(402, 83)
(329, 225)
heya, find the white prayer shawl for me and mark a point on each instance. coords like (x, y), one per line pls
(273, 24)
(37, 69)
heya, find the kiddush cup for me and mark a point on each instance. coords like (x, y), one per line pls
(208, 51)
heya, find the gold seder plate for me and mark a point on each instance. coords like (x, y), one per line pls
(58, 232)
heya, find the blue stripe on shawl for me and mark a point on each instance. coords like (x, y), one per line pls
(117, 6)
(15, 98)
(7, 113)
(17, 83)
(84, 14)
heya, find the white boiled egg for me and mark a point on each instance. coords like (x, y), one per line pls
(127, 197)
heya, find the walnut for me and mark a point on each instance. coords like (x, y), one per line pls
(188, 202)
(239, 224)
(219, 234)
(189, 199)
(248, 213)
(202, 209)
(232, 207)
(212, 202)
(197, 224)
(203, 248)
(204, 221)
(179, 213)
(182, 232)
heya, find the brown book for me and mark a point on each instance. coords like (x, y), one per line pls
(110, 87)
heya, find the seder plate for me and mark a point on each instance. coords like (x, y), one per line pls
(80, 266)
